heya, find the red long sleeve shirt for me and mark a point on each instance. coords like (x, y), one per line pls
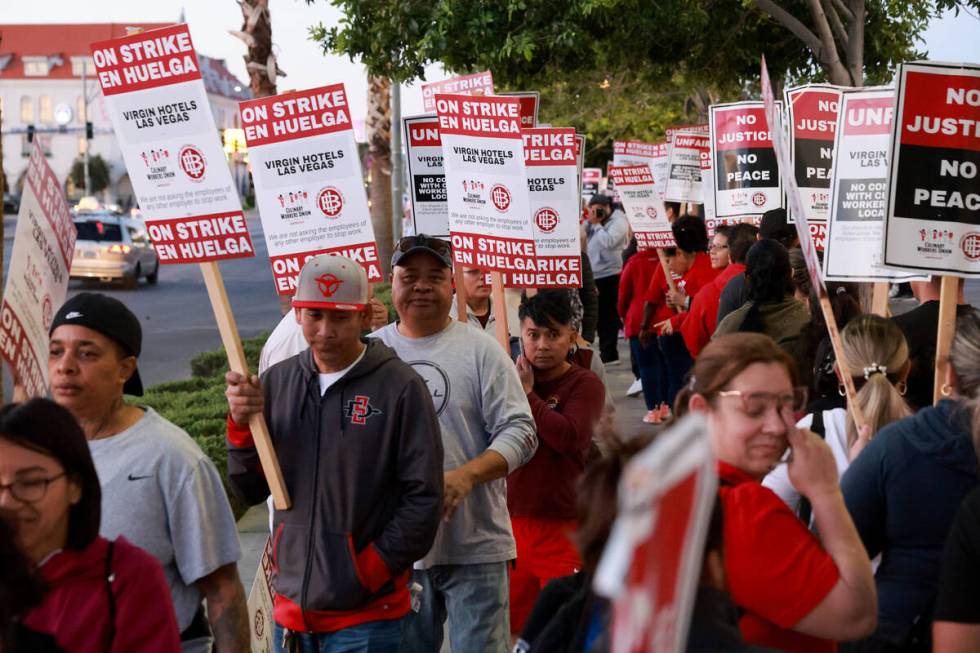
(633, 285)
(702, 317)
(697, 277)
(565, 411)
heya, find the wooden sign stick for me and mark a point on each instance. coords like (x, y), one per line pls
(663, 263)
(460, 294)
(879, 299)
(500, 310)
(945, 332)
(849, 389)
(237, 363)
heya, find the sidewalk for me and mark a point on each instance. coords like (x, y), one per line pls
(253, 527)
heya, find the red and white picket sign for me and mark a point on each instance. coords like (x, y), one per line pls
(933, 214)
(160, 113)
(859, 188)
(701, 128)
(644, 209)
(426, 175)
(745, 169)
(475, 84)
(549, 154)
(530, 101)
(633, 153)
(308, 182)
(688, 150)
(591, 179)
(37, 279)
(654, 556)
(486, 182)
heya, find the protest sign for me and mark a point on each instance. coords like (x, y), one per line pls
(933, 213)
(308, 182)
(859, 186)
(486, 182)
(549, 154)
(684, 166)
(591, 179)
(807, 246)
(579, 158)
(260, 604)
(427, 176)
(160, 113)
(530, 101)
(37, 279)
(746, 174)
(475, 84)
(812, 115)
(632, 153)
(644, 209)
(653, 559)
(159, 110)
(697, 129)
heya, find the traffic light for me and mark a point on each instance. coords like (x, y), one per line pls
(89, 132)
(30, 133)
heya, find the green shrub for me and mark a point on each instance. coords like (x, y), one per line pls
(198, 404)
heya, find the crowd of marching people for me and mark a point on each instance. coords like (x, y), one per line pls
(445, 487)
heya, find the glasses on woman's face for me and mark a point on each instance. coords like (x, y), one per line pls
(30, 490)
(756, 404)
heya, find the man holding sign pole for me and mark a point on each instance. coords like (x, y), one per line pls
(355, 428)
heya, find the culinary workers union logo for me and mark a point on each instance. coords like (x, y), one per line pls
(500, 197)
(970, 244)
(328, 284)
(191, 162)
(546, 219)
(330, 201)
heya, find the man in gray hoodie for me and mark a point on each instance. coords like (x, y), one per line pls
(487, 432)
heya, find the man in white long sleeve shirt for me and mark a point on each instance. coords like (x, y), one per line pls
(606, 233)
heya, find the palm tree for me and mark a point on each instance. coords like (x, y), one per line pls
(256, 34)
(378, 127)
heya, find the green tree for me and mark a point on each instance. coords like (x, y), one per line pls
(98, 172)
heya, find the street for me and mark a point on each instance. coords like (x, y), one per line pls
(176, 314)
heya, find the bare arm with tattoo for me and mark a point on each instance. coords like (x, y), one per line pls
(227, 609)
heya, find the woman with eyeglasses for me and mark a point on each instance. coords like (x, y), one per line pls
(795, 592)
(877, 356)
(903, 492)
(101, 595)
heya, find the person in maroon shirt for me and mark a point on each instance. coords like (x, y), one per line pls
(566, 401)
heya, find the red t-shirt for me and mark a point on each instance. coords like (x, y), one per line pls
(633, 284)
(702, 318)
(697, 277)
(777, 572)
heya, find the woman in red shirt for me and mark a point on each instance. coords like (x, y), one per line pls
(796, 592)
(102, 596)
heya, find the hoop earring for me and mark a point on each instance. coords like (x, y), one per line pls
(902, 387)
(946, 390)
(841, 390)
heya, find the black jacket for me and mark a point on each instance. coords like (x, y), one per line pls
(363, 467)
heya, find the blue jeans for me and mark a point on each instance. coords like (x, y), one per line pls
(677, 361)
(653, 372)
(476, 598)
(370, 637)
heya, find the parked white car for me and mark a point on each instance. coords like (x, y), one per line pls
(112, 247)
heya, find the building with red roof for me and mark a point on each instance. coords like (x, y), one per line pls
(41, 84)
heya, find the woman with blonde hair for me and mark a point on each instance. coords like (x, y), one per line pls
(877, 356)
(903, 492)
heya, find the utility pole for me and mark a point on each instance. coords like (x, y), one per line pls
(88, 180)
(397, 178)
